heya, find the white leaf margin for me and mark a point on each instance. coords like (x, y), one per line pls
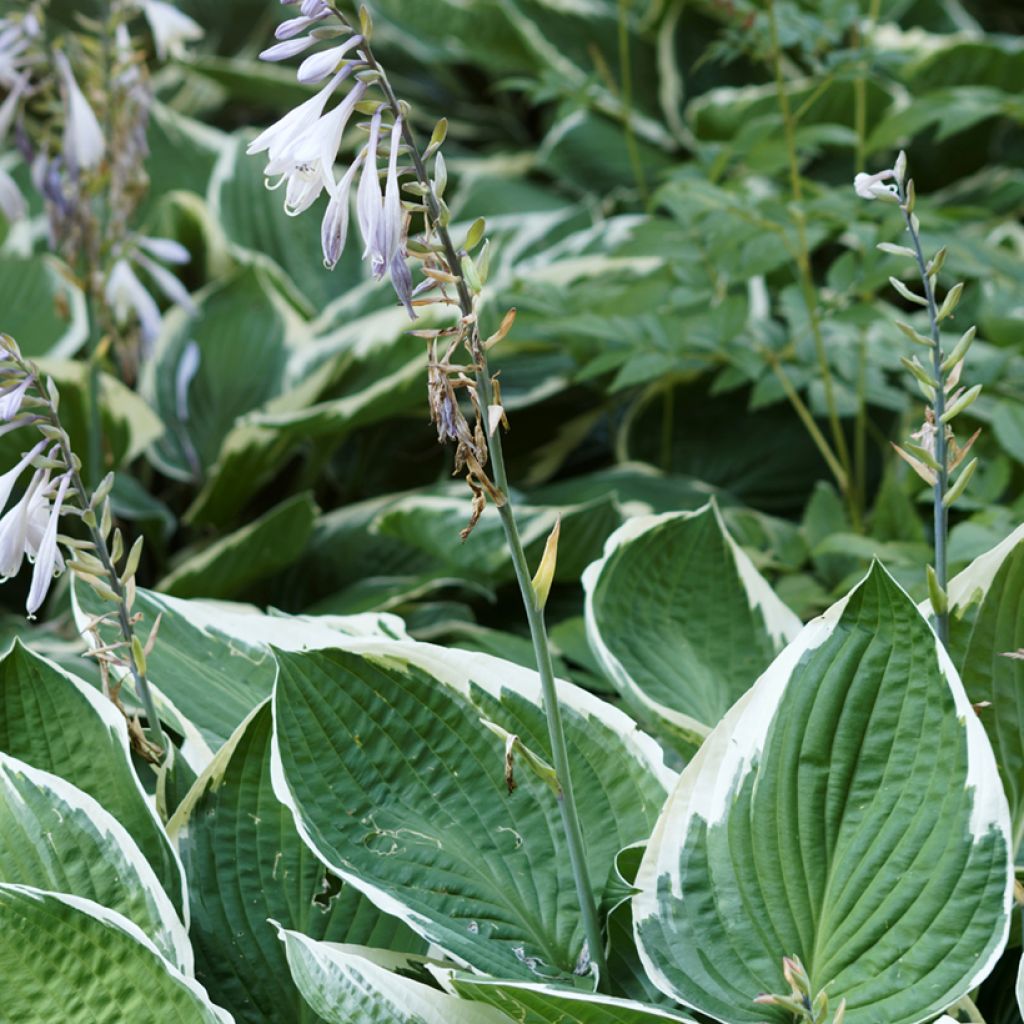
(707, 784)
(782, 624)
(459, 669)
(68, 799)
(448, 979)
(118, 729)
(410, 1002)
(112, 919)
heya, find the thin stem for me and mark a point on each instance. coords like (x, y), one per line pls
(153, 731)
(534, 613)
(626, 73)
(940, 515)
(807, 286)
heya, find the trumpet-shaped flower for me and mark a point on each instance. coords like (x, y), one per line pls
(869, 186)
(171, 28)
(334, 229)
(127, 296)
(83, 139)
(49, 562)
(22, 526)
(282, 133)
(10, 401)
(317, 67)
(10, 478)
(369, 201)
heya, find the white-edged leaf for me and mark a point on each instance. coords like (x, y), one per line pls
(847, 811)
(342, 986)
(68, 959)
(53, 836)
(986, 624)
(529, 1003)
(681, 620)
(246, 864)
(415, 811)
(55, 722)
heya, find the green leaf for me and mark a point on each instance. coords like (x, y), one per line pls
(342, 986)
(253, 218)
(986, 626)
(540, 1004)
(43, 311)
(846, 811)
(245, 863)
(231, 564)
(243, 329)
(417, 813)
(54, 836)
(55, 722)
(680, 618)
(1020, 987)
(212, 664)
(70, 960)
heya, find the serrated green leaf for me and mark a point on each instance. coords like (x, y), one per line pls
(55, 722)
(108, 970)
(342, 987)
(56, 837)
(815, 823)
(246, 864)
(420, 817)
(680, 618)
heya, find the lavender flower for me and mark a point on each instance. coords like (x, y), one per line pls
(48, 560)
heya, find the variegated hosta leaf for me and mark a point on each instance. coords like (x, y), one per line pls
(529, 1003)
(681, 620)
(986, 633)
(847, 811)
(53, 836)
(246, 864)
(1020, 987)
(68, 959)
(342, 986)
(55, 722)
(400, 788)
(212, 664)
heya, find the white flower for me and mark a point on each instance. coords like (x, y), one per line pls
(320, 65)
(334, 229)
(27, 516)
(47, 558)
(10, 478)
(869, 186)
(9, 107)
(83, 138)
(171, 28)
(12, 202)
(294, 124)
(307, 163)
(10, 401)
(126, 295)
(286, 49)
(369, 201)
(166, 249)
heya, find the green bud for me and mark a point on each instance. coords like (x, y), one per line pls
(966, 399)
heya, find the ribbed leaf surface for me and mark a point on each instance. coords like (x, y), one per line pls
(343, 987)
(847, 811)
(70, 960)
(245, 865)
(986, 630)
(399, 787)
(541, 1004)
(55, 837)
(55, 722)
(680, 618)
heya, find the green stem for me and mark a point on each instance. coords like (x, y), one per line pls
(153, 731)
(626, 73)
(534, 613)
(807, 286)
(940, 515)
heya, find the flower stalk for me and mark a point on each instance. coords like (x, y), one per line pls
(936, 456)
(534, 610)
(301, 151)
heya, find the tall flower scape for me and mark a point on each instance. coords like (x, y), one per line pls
(301, 152)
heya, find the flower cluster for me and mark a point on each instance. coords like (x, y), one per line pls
(302, 148)
(28, 529)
